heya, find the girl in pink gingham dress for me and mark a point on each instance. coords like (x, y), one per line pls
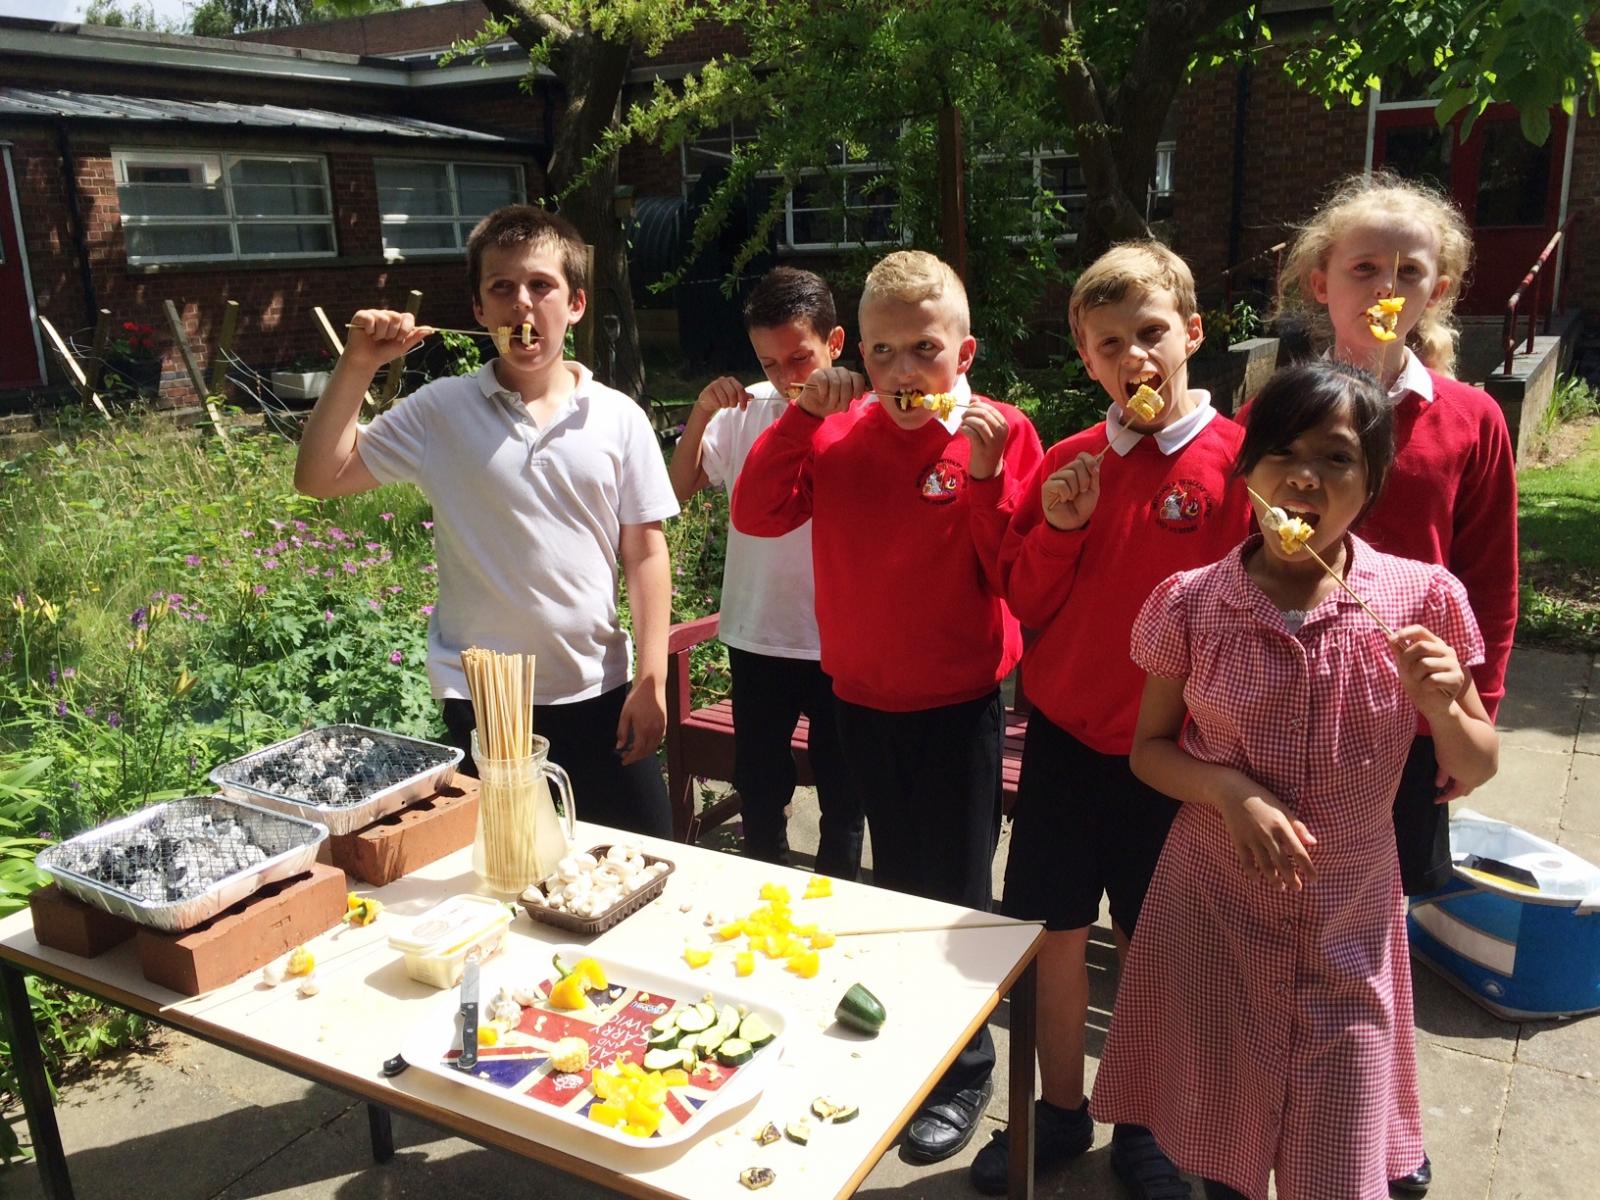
(1263, 1022)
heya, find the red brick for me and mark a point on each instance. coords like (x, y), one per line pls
(64, 922)
(413, 837)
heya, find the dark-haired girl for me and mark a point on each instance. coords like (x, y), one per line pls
(1263, 1024)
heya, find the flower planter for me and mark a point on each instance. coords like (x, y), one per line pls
(125, 375)
(300, 385)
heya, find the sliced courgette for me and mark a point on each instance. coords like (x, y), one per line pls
(661, 1041)
(799, 1130)
(689, 1061)
(735, 1052)
(769, 1134)
(707, 1009)
(757, 1177)
(728, 1020)
(662, 1059)
(694, 1018)
(665, 1023)
(755, 1031)
(711, 1039)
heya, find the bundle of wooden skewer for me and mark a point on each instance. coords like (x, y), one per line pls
(501, 685)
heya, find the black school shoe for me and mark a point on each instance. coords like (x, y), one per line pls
(1059, 1135)
(1416, 1183)
(1145, 1171)
(947, 1123)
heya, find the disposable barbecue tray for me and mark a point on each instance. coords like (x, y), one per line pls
(176, 864)
(327, 775)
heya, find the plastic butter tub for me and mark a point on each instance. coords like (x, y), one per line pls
(438, 942)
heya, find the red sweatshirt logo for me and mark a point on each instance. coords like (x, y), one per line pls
(942, 482)
(1182, 505)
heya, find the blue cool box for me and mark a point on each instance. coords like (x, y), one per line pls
(1518, 927)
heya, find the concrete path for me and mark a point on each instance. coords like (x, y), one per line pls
(1511, 1109)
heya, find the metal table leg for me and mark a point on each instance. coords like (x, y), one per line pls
(1019, 1130)
(378, 1124)
(35, 1085)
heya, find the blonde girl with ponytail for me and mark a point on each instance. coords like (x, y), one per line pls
(1451, 497)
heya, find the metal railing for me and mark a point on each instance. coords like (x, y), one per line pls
(1535, 279)
(1274, 252)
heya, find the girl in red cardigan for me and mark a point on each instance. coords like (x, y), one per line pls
(1451, 497)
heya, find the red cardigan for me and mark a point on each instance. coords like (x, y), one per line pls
(1081, 589)
(1451, 499)
(905, 549)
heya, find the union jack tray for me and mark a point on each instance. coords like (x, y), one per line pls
(618, 1022)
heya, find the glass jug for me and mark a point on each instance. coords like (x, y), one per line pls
(520, 837)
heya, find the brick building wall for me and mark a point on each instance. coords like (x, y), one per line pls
(276, 324)
(424, 28)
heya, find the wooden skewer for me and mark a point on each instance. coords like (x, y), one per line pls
(432, 329)
(1332, 574)
(938, 927)
(1055, 497)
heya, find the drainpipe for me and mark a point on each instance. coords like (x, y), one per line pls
(69, 174)
(1241, 111)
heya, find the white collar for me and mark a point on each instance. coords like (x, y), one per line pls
(961, 390)
(1169, 438)
(582, 380)
(1413, 377)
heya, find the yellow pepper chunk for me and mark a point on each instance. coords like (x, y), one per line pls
(822, 939)
(744, 962)
(569, 994)
(731, 930)
(606, 1114)
(775, 891)
(488, 1035)
(805, 964)
(818, 886)
(695, 956)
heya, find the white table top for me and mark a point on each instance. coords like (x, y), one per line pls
(938, 987)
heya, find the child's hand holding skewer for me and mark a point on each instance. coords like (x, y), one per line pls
(719, 394)
(1430, 672)
(985, 427)
(378, 336)
(1069, 494)
(830, 390)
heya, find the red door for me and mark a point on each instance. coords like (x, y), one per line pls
(19, 346)
(1509, 189)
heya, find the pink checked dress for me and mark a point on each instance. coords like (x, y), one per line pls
(1258, 1030)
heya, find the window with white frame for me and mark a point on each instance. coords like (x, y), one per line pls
(1060, 175)
(430, 207)
(198, 206)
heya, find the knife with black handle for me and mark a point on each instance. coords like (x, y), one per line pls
(469, 1015)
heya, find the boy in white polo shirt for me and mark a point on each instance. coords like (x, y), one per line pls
(543, 482)
(769, 619)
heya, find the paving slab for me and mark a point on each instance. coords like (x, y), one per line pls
(1463, 1104)
(1545, 693)
(1589, 721)
(1447, 1019)
(1581, 810)
(149, 1128)
(1529, 791)
(1548, 1147)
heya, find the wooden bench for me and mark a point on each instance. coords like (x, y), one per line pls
(700, 740)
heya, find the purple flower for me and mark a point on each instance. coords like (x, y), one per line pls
(8, 655)
(429, 568)
(174, 600)
(312, 571)
(278, 547)
(75, 786)
(330, 572)
(139, 618)
(270, 564)
(200, 616)
(396, 657)
(54, 678)
(336, 533)
(61, 708)
(191, 560)
(327, 615)
(426, 610)
(374, 605)
(114, 720)
(394, 589)
(70, 673)
(300, 526)
(349, 567)
(277, 525)
(227, 562)
(260, 589)
(374, 545)
(427, 524)
(89, 712)
(247, 533)
(386, 516)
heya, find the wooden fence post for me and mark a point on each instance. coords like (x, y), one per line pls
(195, 376)
(219, 361)
(397, 369)
(97, 357)
(69, 364)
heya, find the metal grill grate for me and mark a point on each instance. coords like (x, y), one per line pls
(334, 767)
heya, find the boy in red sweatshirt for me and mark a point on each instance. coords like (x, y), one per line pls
(908, 505)
(1110, 513)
